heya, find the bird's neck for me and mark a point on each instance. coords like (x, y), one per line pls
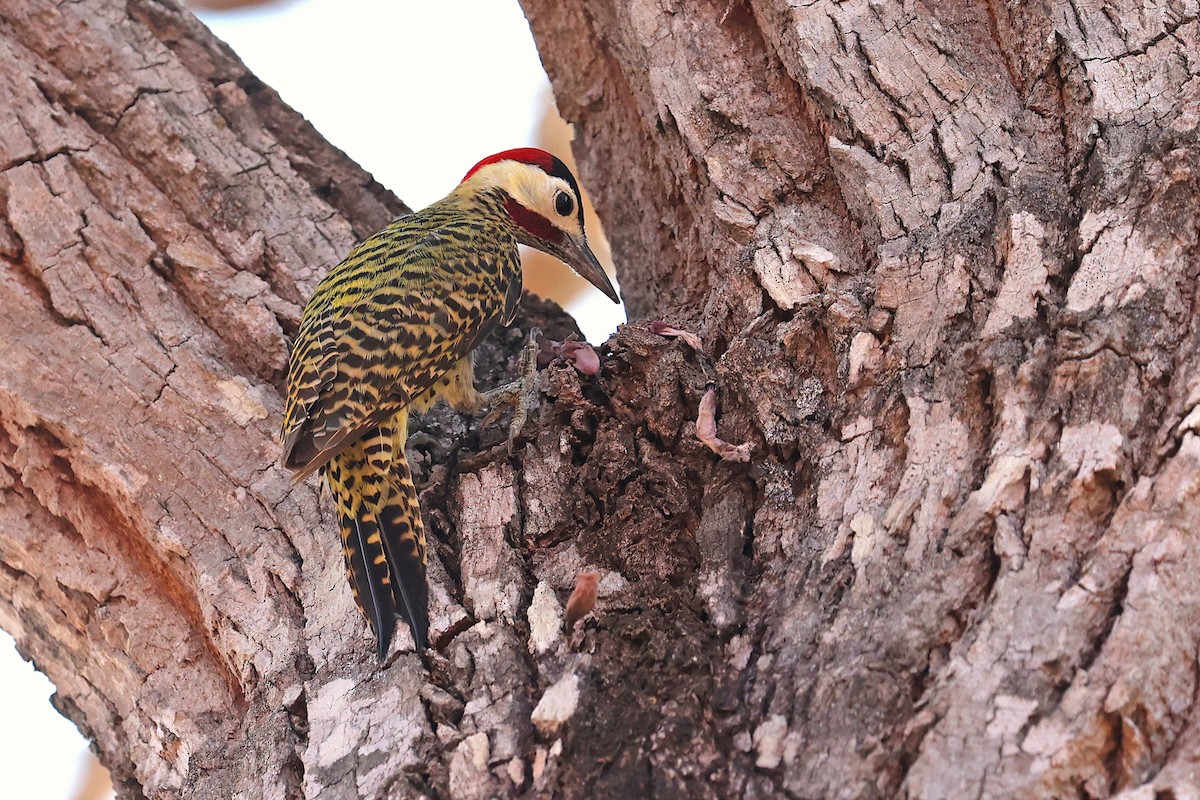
(487, 202)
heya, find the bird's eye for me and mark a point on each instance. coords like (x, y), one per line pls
(563, 204)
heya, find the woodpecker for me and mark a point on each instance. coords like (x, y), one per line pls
(391, 330)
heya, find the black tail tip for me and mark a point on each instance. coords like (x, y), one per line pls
(420, 634)
(383, 641)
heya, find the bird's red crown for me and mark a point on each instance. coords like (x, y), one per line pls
(525, 155)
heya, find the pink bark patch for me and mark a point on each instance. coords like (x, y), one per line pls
(579, 355)
(706, 431)
(583, 599)
(663, 329)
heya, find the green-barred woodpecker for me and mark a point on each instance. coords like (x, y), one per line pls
(391, 329)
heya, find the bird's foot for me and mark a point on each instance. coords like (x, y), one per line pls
(521, 394)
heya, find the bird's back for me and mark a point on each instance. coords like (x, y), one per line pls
(393, 317)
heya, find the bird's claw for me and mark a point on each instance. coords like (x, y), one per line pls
(521, 393)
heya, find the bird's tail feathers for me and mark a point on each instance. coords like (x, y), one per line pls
(404, 542)
(370, 577)
(384, 544)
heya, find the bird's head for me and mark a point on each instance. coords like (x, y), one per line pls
(543, 200)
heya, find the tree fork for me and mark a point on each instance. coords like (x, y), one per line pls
(942, 262)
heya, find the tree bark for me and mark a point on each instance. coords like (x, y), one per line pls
(943, 261)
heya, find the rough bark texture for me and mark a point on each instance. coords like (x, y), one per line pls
(943, 258)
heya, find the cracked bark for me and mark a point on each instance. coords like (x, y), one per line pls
(943, 260)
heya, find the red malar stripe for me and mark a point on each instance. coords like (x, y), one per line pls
(533, 222)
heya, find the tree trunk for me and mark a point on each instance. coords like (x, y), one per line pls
(943, 261)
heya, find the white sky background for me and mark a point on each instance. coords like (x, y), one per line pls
(40, 751)
(415, 92)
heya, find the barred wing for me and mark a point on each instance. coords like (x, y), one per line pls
(382, 332)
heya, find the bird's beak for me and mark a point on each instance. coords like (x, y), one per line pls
(581, 259)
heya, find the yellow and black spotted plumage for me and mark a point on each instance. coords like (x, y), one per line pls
(391, 330)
